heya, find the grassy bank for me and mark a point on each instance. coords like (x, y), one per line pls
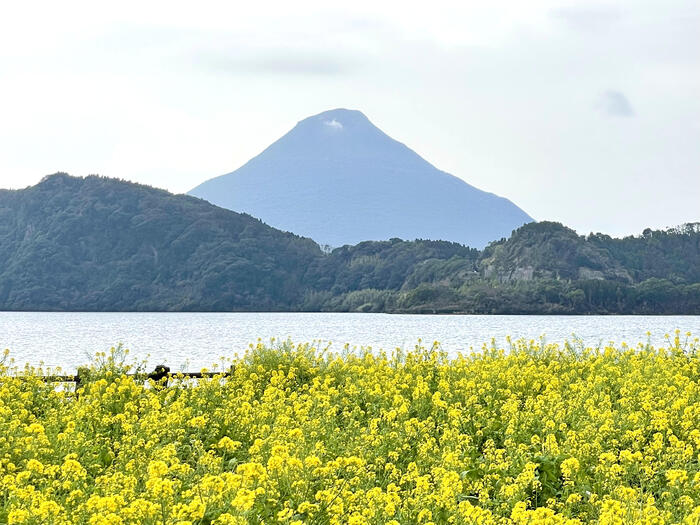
(530, 434)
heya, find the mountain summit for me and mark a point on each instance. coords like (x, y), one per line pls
(339, 179)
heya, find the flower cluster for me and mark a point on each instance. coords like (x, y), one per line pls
(532, 434)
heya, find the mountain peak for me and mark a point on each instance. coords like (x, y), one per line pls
(58, 176)
(350, 116)
(335, 122)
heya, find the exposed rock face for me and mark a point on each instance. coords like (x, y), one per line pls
(548, 250)
(588, 273)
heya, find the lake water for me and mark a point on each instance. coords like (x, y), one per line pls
(190, 341)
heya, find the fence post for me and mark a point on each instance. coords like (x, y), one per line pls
(159, 374)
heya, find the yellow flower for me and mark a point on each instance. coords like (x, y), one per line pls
(17, 516)
(244, 499)
(569, 468)
(228, 445)
(364, 437)
(35, 466)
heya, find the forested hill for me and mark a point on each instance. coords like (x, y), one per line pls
(547, 250)
(541, 268)
(102, 244)
(95, 243)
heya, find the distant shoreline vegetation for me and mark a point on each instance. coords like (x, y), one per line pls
(100, 244)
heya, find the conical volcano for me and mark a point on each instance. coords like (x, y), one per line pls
(339, 179)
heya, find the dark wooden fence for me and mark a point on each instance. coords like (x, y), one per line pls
(158, 375)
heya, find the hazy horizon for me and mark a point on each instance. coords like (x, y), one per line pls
(582, 113)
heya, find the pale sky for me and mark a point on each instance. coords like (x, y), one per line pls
(583, 112)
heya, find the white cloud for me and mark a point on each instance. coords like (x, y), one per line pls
(615, 104)
(588, 18)
(333, 124)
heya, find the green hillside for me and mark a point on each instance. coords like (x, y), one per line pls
(541, 268)
(102, 244)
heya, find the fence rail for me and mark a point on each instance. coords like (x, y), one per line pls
(161, 372)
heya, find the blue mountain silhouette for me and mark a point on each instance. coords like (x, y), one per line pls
(340, 180)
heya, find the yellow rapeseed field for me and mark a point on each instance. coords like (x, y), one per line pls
(534, 433)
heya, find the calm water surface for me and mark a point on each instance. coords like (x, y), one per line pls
(191, 341)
